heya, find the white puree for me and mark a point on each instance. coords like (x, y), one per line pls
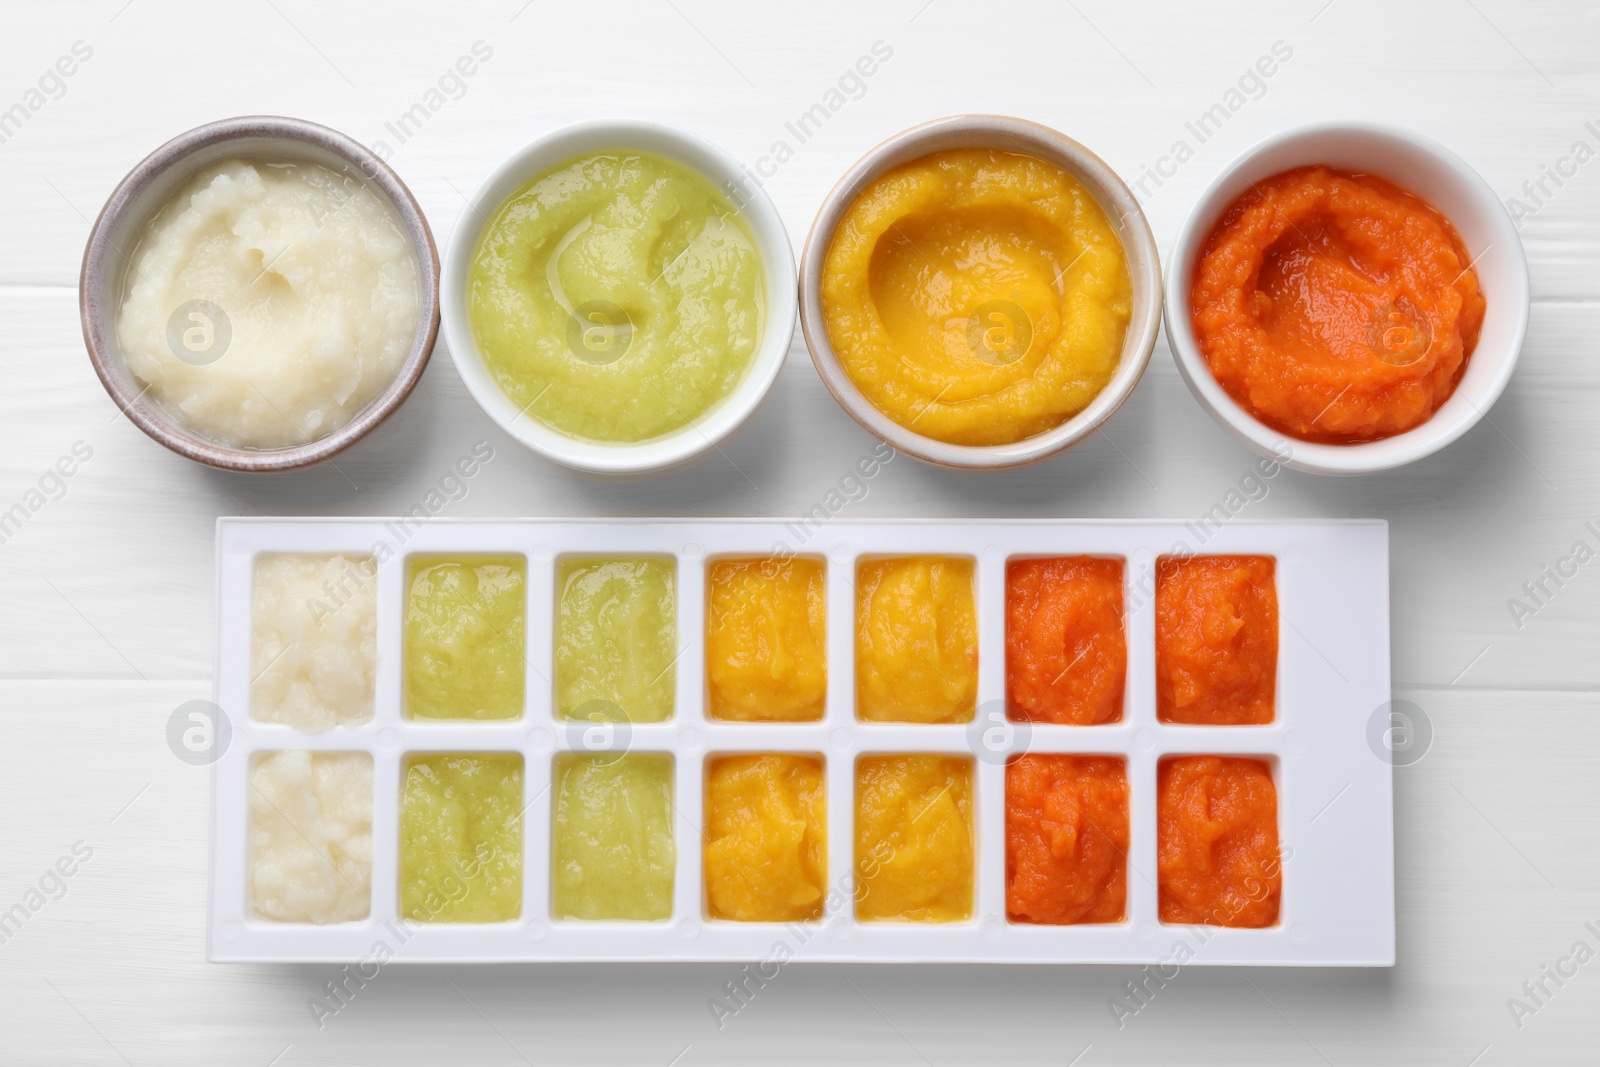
(314, 641)
(318, 288)
(311, 836)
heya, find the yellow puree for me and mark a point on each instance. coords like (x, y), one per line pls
(612, 855)
(916, 640)
(616, 297)
(914, 850)
(461, 838)
(464, 637)
(766, 853)
(766, 639)
(978, 297)
(616, 639)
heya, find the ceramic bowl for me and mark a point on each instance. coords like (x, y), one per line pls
(1011, 135)
(1444, 180)
(151, 185)
(701, 435)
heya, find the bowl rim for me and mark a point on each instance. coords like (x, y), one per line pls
(701, 435)
(98, 267)
(1371, 456)
(1122, 208)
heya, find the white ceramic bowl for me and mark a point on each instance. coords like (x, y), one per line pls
(1010, 135)
(1440, 177)
(703, 434)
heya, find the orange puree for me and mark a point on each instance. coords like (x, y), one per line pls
(1336, 307)
(1217, 841)
(766, 647)
(976, 296)
(914, 846)
(1066, 656)
(766, 838)
(1066, 839)
(916, 640)
(1216, 640)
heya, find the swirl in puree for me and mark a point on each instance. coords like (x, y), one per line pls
(976, 296)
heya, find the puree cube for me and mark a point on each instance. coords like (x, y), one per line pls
(310, 836)
(616, 639)
(612, 852)
(914, 838)
(314, 640)
(1216, 640)
(464, 653)
(916, 640)
(1066, 654)
(1066, 839)
(1217, 856)
(766, 855)
(766, 639)
(461, 837)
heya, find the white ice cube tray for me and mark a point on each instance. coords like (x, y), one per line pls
(1335, 799)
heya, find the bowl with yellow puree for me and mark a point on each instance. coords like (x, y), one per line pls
(980, 291)
(619, 296)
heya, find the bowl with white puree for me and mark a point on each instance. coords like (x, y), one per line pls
(259, 293)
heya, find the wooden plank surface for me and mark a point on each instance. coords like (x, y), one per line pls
(107, 589)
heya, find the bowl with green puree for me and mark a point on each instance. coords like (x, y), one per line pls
(619, 297)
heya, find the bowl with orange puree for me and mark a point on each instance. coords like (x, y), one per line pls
(1347, 298)
(980, 292)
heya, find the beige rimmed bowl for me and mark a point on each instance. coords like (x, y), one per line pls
(150, 185)
(1011, 135)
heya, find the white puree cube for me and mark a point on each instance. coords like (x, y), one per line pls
(314, 643)
(311, 836)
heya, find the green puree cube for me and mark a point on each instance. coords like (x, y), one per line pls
(464, 645)
(461, 838)
(612, 853)
(616, 639)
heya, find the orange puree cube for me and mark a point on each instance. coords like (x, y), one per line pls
(1066, 656)
(916, 640)
(1216, 640)
(1066, 839)
(914, 839)
(1217, 841)
(766, 639)
(766, 857)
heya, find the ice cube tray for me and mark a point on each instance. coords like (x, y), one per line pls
(1334, 786)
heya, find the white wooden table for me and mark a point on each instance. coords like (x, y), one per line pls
(107, 589)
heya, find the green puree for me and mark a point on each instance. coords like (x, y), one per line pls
(463, 647)
(616, 645)
(461, 838)
(617, 297)
(612, 854)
